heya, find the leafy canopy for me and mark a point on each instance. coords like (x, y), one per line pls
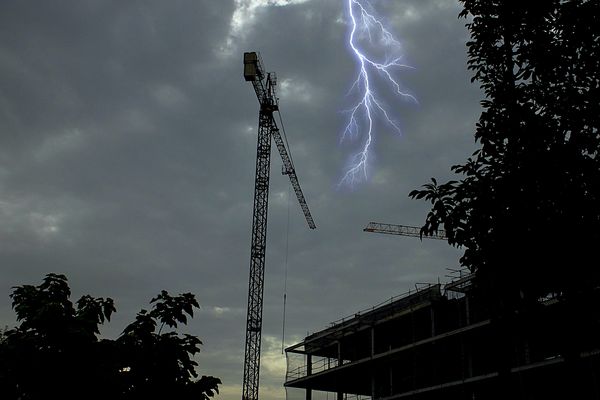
(56, 351)
(526, 208)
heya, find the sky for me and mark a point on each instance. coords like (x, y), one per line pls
(127, 158)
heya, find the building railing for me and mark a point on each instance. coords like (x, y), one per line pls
(318, 364)
(419, 287)
(356, 397)
(391, 300)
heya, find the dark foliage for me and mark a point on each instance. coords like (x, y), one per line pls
(55, 352)
(526, 208)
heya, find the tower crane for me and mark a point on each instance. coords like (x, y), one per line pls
(264, 86)
(404, 230)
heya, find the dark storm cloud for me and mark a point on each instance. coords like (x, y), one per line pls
(127, 154)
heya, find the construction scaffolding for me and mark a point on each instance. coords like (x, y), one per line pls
(439, 340)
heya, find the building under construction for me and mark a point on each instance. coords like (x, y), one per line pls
(440, 342)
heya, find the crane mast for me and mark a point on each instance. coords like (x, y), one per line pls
(264, 87)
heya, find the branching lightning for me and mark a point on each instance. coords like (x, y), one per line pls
(365, 27)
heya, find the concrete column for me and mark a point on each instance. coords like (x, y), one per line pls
(372, 383)
(340, 394)
(470, 363)
(467, 310)
(308, 373)
(432, 314)
(372, 341)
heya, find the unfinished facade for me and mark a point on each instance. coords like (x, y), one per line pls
(438, 341)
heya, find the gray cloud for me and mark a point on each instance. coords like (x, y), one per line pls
(127, 151)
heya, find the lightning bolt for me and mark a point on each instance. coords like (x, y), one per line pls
(366, 27)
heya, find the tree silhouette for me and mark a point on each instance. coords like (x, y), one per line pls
(55, 352)
(527, 206)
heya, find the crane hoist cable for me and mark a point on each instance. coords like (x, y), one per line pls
(287, 247)
(287, 235)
